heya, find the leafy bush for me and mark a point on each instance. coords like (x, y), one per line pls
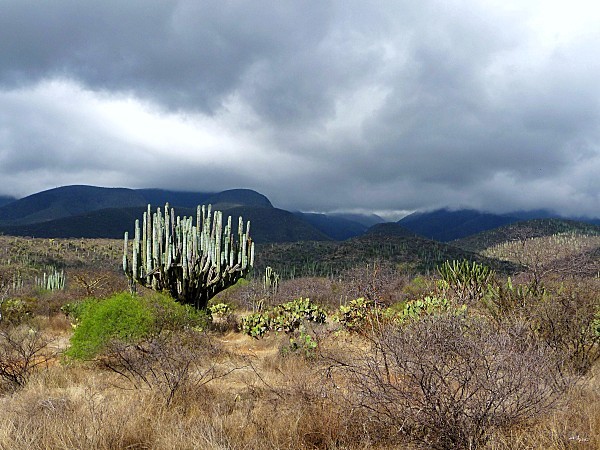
(127, 318)
(171, 315)
(75, 310)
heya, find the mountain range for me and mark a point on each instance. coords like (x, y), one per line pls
(446, 225)
(99, 212)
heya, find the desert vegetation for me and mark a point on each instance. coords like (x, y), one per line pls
(378, 353)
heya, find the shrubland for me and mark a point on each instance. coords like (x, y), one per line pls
(376, 356)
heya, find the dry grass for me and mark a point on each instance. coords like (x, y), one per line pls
(270, 401)
(574, 425)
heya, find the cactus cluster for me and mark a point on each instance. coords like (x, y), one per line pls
(191, 259)
(465, 280)
(271, 280)
(17, 282)
(53, 281)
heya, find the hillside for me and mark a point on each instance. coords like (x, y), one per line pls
(336, 227)
(271, 225)
(95, 212)
(5, 200)
(543, 246)
(368, 220)
(268, 224)
(390, 229)
(445, 225)
(108, 223)
(413, 253)
(98, 212)
(66, 202)
(524, 229)
(70, 201)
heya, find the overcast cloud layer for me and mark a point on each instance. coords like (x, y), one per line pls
(320, 105)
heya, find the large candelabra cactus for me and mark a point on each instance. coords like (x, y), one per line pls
(192, 259)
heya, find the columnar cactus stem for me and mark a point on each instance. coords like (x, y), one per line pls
(193, 260)
(136, 249)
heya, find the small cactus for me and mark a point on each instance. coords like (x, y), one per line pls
(271, 280)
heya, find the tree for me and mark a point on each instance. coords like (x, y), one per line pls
(192, 260)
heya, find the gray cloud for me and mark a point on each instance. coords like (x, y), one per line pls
(329, 105)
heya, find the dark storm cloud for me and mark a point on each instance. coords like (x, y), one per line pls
(321, 105)
(184, 54)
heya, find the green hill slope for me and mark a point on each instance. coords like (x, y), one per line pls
(413, 253)
(522, 230)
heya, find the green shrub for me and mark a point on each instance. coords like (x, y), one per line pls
(75, 310)
(171, 315)
(127, 318)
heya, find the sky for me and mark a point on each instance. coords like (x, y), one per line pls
(323, 105)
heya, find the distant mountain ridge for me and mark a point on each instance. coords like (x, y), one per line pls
(6, 199)
(97, 212)
(337, 227)
(90, 211)
(69, 201)
(390, 229)
(65, 202)
(446, 225)
(368, 220)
